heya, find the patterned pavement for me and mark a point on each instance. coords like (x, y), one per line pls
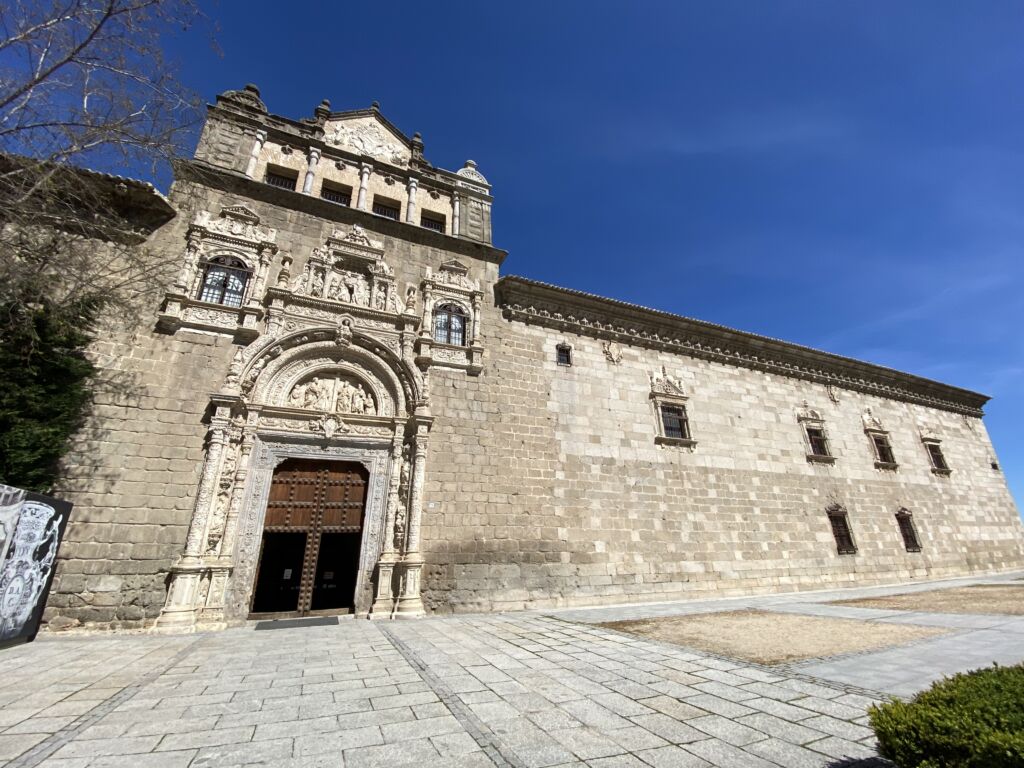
(525, 689)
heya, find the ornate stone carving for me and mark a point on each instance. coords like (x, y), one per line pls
(871, 422)
(367, 137)
(469, 171)
(612, 352)
(666, 385)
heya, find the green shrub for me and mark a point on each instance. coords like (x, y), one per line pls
(971, 720)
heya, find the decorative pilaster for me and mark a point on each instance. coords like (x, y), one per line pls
(409, 602)
(311, 163)
(364, 181)
(254, 155)
(384, 600)
(456, 206)
(474, 339)
(410, 205)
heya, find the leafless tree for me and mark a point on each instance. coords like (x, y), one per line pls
(83, 85)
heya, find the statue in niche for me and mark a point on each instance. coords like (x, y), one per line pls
(410, 300)
(380, 301)
(318, 284)
(332, 292)
(358, 399)
(344, 402)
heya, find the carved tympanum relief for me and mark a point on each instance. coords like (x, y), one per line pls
(333, 394)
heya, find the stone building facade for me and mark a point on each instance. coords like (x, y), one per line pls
(341, 406)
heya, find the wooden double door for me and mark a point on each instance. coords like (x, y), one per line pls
(312, 536)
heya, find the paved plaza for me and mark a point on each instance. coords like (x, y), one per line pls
(523, 689)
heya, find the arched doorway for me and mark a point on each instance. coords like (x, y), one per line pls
(312, 536)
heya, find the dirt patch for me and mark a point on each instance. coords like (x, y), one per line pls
(773, 638)
(979, 598)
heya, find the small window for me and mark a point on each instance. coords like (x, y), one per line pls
(883, 449)
(224, 281)
(434, 221)
(840, 523)
(450, 322)
(390, 209)
(817, 441)
(939, 465)
(995, 465)
(282, 179)
(336, 193)
(563, 354)
(905, 521)
(674, 422)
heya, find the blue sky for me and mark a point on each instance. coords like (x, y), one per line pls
(842, 175)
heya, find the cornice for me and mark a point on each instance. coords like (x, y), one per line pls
(225, 180)
(533, 302)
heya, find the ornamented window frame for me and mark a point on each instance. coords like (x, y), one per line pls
(940, 467)
(838, 519)
(874, 430)
(234, 233)
(451, 284)
(808, 418)
(667, 392)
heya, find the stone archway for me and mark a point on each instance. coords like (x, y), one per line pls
(367, 405)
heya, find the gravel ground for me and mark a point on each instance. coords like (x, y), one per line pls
(773, 638)
(979, 598)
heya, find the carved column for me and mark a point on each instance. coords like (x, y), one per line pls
(409, 602)
(227, 543)
(410, 206)
(188, 270)
(456, 205)
(384, 600)
(364, 181)
(259, 282)
(427, 326)
(475, 335)
(311, 163)
(254, 156)
(187, 575)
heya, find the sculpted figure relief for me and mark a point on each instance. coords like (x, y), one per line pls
(317, 393)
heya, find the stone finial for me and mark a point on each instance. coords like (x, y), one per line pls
(248, 97)
(323, 110)
(469, 171)
(375, 106)
(417, 147)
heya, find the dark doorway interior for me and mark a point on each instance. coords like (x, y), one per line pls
(277, 587)
(312, 539)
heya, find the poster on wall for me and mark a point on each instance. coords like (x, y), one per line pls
(31, 529)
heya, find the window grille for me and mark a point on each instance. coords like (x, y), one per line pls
(450, 322)
(817, 441)
(431, 222)
(883, 449)
(906, 523)
(563, 354)
(386, 210)
(224, 281)
(280, 180)
(840, 523)
(336, 195)
(674, 422)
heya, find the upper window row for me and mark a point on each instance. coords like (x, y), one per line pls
(818, 448)
(341, 194)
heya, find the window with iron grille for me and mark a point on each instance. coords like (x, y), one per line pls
(282, 180)
(336, 194)
(883, 449)
(450, 322)
(939, 464)
(563, 354)
(905, 521)
(817, 441)
(224, 281)
(388, 208)
(841, 532)
(432, 221)
(674, 423)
